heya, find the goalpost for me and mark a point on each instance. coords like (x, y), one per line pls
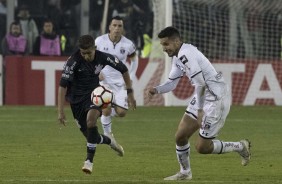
(241, 38)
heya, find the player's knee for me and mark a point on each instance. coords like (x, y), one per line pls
(106, 112)
(121, 112)
(90, 123)
(180, 139)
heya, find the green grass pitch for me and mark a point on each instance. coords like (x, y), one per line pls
(35, 149)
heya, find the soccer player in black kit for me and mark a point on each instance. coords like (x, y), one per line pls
(80, 77)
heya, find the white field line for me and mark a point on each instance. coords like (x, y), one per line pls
(131, 181)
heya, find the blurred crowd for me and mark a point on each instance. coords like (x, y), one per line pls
(250, 29)
(221, 29)
(51, 27)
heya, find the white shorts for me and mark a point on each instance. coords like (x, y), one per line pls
(120, 94)
(215, 113)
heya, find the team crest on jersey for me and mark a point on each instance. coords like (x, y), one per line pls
(183, 59)
(98, 69)
(122, 50)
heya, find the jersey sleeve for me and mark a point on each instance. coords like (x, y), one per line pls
(116, 64)
(172, 81)
(68, 72)
(131, 49)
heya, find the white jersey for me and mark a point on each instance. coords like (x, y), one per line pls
(192, 63)
(121, 50)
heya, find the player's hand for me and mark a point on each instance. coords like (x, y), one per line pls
(200, 116)
(62, 118)
(151, 92)
(131, 101)
(101, 77)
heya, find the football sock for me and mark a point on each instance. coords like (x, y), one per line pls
(220, 147)
(106, 124)
(92, 139)
(182, 153)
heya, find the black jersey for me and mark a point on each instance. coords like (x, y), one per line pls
(82, 77)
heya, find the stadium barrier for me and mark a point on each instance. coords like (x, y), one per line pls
(35, 80)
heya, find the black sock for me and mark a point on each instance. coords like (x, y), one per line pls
(92, 140)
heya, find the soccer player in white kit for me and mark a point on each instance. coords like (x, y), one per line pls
(121, 47)
(206, 111)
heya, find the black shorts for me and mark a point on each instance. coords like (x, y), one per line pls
(80, 111)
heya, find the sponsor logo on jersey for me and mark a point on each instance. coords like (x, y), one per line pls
(67, 69)
(180, 67)
(113, 62)
(122, 50)
(183, 59)
(65, 76)
(98, 69)
(218, 76)
(73, 65)
(116, 60)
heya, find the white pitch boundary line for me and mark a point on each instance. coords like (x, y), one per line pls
(137, 181)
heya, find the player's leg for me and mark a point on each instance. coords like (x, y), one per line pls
(213, 120)
(187, 126)
(119, 109)
(92, 138)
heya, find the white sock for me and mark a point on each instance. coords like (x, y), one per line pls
(106, 124)
(113, 113)
(182, 153)
(220, 147)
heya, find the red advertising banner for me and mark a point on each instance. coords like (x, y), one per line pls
(34, 81)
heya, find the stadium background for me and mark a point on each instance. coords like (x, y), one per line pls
(242, 39)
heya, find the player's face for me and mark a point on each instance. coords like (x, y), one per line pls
(88, 54)
(116, 28)
(170, 46)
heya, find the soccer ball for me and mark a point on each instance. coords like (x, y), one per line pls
(101, 97)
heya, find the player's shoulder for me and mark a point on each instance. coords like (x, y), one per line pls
(74, 57)
(102, 38)
(188, 47)
(188, 50)
(103, 55)
(126, 40)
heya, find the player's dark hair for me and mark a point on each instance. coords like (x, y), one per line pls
(85, 42)
(116, 18)
(170, 32)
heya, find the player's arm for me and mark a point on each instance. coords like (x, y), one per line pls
(169, 85)
(129, 89)
(118, 65)
(61, 101)
(199, 83)
(67, 76)
(133, 65)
